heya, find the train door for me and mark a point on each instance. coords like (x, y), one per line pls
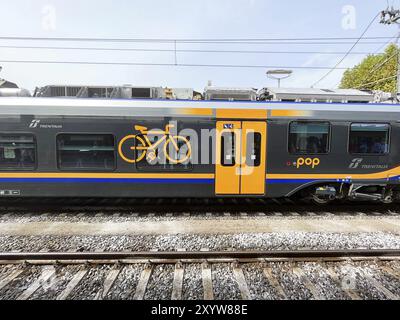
(241, 158)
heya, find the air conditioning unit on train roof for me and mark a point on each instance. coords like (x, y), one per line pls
(121, 92)
(75, 91)
(230, 94)
(141, 92)
(315, 95)
(181, 94)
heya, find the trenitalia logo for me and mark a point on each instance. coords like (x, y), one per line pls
(354, 164)
(38, 124)
(34, 123)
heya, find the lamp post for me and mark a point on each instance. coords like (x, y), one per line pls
(279, 75)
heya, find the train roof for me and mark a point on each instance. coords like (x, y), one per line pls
(189, 108)
(317, 91)
(310, 94)
(209, 93)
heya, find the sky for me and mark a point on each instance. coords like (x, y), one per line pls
(184, 19)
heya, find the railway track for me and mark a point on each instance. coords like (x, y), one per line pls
(185, 205)
(205, 255)
(177, 211)
(304, 274)
(134, 231)
(214, 273)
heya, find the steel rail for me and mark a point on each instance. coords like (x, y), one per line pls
(199, 255)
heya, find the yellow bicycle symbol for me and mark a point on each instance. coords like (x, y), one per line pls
(142, 146)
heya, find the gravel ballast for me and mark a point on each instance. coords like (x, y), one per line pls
(260, 288)
(192, 283)
(268, 241)
(91, 285)
(160, 283)
(224, 285)
(124, 286)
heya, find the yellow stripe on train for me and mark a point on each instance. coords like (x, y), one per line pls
(107, 175)
(365, 176)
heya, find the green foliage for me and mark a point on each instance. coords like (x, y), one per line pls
(373, 68)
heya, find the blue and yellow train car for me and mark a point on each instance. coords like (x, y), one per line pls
(71, 147)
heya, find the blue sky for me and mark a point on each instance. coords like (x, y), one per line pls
(181, 19)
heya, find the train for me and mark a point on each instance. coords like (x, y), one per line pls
(223, 142)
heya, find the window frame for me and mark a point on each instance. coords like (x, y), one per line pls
(370, 154)
(260, 151)
(222, 160)
(310, 121)
(35, 167)
(86, 170)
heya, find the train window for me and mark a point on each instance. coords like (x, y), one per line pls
(253, 152)
(228, 149)
(17, 152)
(86, 152)
(309, 137)
(369, 138)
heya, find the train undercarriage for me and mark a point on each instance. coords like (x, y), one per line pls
(325, 194)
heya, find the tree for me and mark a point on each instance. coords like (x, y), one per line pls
(374, 68)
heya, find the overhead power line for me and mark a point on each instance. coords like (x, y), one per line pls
(386, 43)
(149, 40)
(376, 52)
(380, 64)
(163, 64)
(178, 50)
(336, 67)
(364, 85)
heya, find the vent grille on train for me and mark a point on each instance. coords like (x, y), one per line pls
(231, 97)
(141, 93)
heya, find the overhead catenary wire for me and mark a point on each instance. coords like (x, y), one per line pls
(375, 52)
(242, 41)
(164, 64)
(336, 67)
(380, 64)
(178, 50)
(386, 43)
(155, 40)
(364, 85)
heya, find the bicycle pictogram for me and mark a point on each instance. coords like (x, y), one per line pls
(133, 148)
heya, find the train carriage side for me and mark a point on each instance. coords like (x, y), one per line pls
(119, 148)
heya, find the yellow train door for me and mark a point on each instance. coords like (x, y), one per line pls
(252, 175)
(228, 153)
(241, 158)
